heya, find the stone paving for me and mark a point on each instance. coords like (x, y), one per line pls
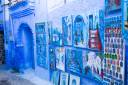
(7, 78)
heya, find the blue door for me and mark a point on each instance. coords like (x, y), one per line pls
(28, 48)
(26, 40)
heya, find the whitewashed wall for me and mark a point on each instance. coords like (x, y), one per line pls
(41, 10)
(84, 7)
(41, 16)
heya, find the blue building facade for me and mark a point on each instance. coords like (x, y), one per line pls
(70, 41)
(20, 34)
(20, 24)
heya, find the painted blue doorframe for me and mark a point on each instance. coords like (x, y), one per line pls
(25, 54)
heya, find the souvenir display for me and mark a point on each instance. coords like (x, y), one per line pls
(41, 57)
(96, 20)
(126, 15)
(50, 32)
(40, 28)
(90, 21)
(125, 30)
(125, 35)
(92, 64)
(41, 38)
(73, 61)
(60, 58)
(67, 25)
(101, 27)
(126, 62)
(114, 51)
(68, 57)
(52, 57)
(55, 78)
(63, 78)
(55, 36)
(74, 80)
(112, 6)
(80, 32)
(83, 32)
(41, 45)
(40, 33)
(78, 48)
(94, 34)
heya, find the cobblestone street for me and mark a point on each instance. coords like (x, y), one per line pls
(7, 77)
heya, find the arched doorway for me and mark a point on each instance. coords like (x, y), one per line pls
(25, 47)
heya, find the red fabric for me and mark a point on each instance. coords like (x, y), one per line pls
(117, 2)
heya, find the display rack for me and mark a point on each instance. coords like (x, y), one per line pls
(41, 45)
(125, 36)
(69, 50)
(115, 50)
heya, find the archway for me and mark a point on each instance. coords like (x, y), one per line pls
(25, 46)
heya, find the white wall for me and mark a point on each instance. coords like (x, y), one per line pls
(41, 16)
(84, 7)
(41, 10)
(53, 4)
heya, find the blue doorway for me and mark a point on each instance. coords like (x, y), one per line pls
(25, 47)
